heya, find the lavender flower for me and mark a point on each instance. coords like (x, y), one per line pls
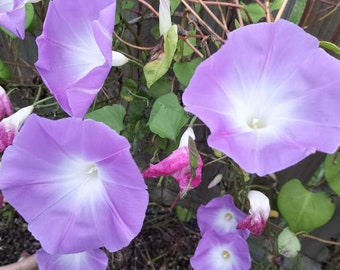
(12, 16)
(270, 97)
(75, 183)
(221, 252)
(75, 54)
(222, 216)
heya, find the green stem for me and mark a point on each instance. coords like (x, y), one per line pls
(192, 121)
(37, 102)
(38, 94)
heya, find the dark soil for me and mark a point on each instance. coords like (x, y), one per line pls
(164, 242)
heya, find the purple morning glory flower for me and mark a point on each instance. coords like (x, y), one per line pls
(87, 260)
(222, 216)
(12, 16)
(270, 97)
(221, 252)
(74, 51)
(75, 183)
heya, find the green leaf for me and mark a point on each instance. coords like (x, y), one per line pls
(173, 5)
(330, 46)
(185, 70)
(167, 117)
(29, 17)
(184, 214)
(304, 210)
(128, 4)
(157, 68)
(193, 156)
(113, 116)
(161, 87)
(297, 11)
(183, 49)
(288, 244)
(5, 73)
(332, 172)
(256, 12)
(128, 90)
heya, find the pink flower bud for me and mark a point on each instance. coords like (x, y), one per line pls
(5, 104)
(10, 126)
(178, 166)
(259, 213)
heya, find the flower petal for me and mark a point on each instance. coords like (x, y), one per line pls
(85, 188)
(271, 112)
(87, 260)
(82, 54)
(178, 166)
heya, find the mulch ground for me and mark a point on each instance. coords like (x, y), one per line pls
(164, 242)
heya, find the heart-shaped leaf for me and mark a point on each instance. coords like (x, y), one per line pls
(112, 116)
(304, 210)
(167, 117)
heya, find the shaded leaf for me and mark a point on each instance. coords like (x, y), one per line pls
(288, 244)
(167, 117)
(113, 116)
(256, 12)
(297, 11)
(193, 155)
(185, 70)
(5, 73)
(332, 172)
(184, 214)
(161, 87)
(304, 210)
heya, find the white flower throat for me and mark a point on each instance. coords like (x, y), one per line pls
(256, 123)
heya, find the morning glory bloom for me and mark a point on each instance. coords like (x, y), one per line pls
(178, 166)
(5, 104)
(164, 16)
(87, 260)
(75, 183)
(270, 97)
(222, 216)
(75, 52)
(12, 16)
(221, 252)
(259, 213)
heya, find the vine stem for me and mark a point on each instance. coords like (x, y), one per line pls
(37, 102)
(281, 10)
(328, 242)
